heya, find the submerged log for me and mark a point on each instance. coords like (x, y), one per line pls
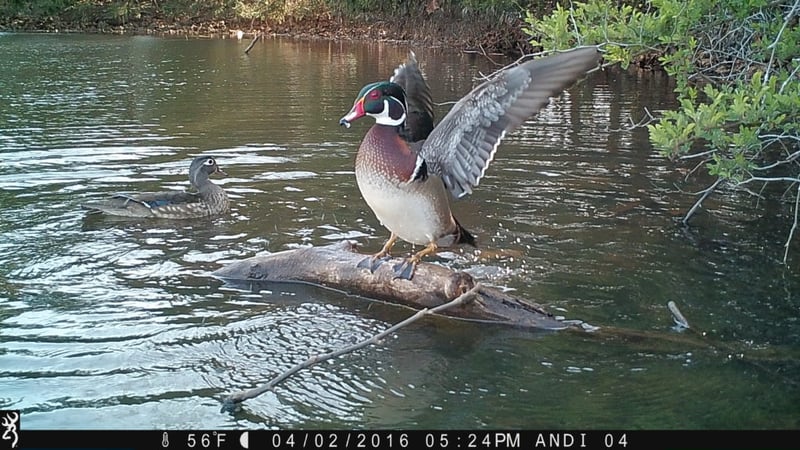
(334, 267)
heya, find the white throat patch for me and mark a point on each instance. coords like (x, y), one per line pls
(384, 119)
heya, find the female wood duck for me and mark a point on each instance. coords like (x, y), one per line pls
(405, 166)
(209, 200)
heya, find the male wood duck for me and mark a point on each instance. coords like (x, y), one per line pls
(209, 200)
(405, 166)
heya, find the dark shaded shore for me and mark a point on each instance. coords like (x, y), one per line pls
(484, 33)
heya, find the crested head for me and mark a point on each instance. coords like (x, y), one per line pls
(383, 100)
(201, 168)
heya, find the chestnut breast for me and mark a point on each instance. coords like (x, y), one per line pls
(385, 152)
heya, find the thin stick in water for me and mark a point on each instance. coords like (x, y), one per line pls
(253, 42)
(229, 403)
(677, 316)
(699, 202)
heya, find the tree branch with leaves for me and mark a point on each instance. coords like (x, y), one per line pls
(736, 64)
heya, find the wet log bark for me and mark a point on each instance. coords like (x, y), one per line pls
(334, 267)
(438, 290)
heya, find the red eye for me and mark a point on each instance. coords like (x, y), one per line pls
(374, 95)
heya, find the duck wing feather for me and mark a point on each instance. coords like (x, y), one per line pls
(419, 102)
(144, 204)
(463, 144)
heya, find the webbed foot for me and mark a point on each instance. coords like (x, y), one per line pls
(372, 263)
(405, 270)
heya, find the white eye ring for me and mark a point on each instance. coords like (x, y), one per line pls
(209, 162)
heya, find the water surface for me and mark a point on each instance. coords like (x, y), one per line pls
(117, 323)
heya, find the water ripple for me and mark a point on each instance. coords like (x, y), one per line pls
(118, 323)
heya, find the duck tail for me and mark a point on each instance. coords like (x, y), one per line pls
(464, 236)
(119, 205)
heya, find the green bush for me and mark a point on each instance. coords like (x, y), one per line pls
(736, 65)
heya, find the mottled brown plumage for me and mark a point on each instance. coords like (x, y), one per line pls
(209, 200)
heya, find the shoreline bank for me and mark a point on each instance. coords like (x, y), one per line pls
(503, 35)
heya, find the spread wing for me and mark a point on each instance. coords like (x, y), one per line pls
(419, 102)
(461, 147)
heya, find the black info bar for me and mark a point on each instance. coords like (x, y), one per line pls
(402, 439)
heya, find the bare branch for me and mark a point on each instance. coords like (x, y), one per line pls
(788, 160)
(760, 195)
(794, 225)
(647, 119)
(789, 78)
(796, 206)
(677, 316)
(696, 168)
(774, 44)
(699, 202)
(755, 194)
(698, 155)
(258, 36)
(769, 179)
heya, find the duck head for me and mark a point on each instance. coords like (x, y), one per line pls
(201, 168)
(383, 100)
